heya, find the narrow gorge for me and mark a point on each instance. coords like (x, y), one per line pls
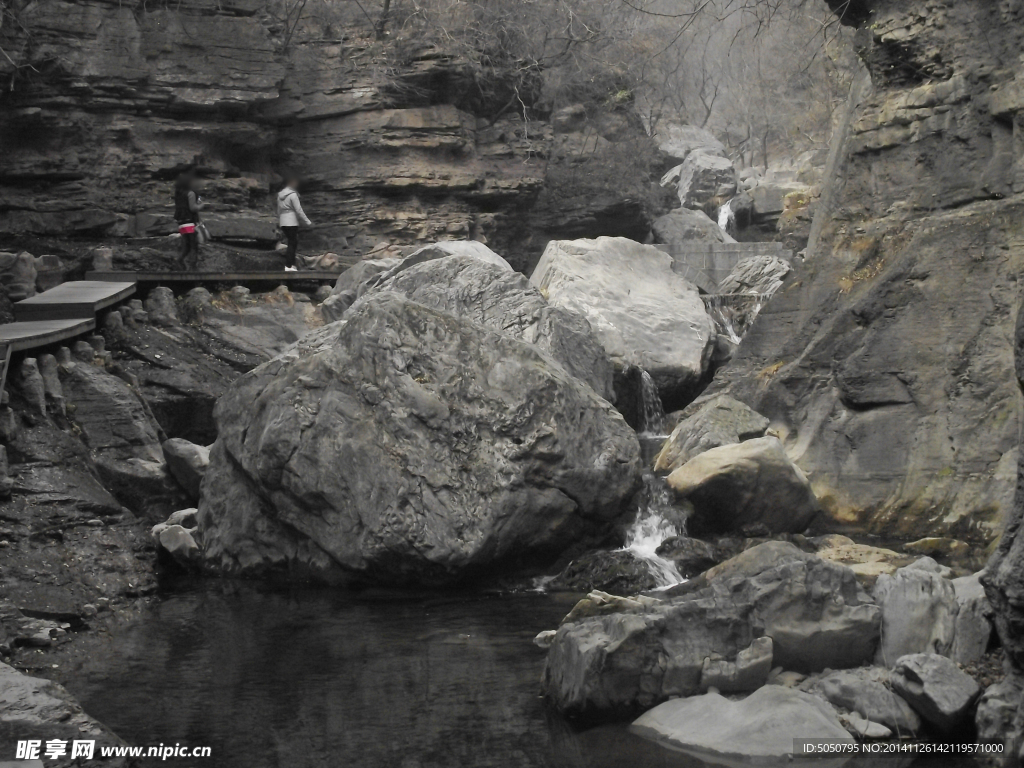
(648, 392)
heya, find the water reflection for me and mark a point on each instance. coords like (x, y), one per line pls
(317, 679)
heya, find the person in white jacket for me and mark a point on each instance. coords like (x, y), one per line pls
(290, 213)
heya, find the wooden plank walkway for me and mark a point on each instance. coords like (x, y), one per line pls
(79, 299)
(277, 278)
(38, 333)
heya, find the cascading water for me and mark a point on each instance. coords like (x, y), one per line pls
(654, 514)
(726, 217)
(652, 413)
(733, 313)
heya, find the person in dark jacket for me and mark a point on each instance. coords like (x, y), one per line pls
(187, 205)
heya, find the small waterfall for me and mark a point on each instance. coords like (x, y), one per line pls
(726, 217)
(652, 416)
(721, 316)
(651, 528)
(733, 313)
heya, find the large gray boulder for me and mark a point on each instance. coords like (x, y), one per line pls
(187, 463)
(936, 688)
(919, 609)
(684, 225)
(716, 422)
(815, 613)
(643, 312)
(701, 178)
(408, 444)
(759, 728)
(973, 620)
(761, 275)
(504, 300)
(748, 483)
(351, 284)
(678, 141)
(866, 691)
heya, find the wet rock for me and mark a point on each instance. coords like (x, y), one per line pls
(42, 710)
(936, 688)
(187, 462)
(747, 672)
(815, 613)
(443, 447)
(919, 609)
(867, 692)
(973, 629)
(690, 556)
(714, 423)
(684, 225)
(702, 177)
(643, 313)
(161, 307)
(758, 728)
(748, 483)
(496, 297)
(617, 572)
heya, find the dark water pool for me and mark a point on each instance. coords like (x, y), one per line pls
(318, 679)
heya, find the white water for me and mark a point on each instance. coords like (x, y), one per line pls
(726, 217)
(643, 540)
(652, 415)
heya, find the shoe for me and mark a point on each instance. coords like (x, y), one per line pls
(290, 269)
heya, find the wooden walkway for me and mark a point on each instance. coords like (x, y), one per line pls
(277, 278)
(70, 309)
(75, 300)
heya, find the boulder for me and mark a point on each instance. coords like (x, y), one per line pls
(161, 307)
(690, 556)
(617, 572)
(18, 275)
(815, 613)
(643, 312)
(187, 463)
(748, 483)
(770, 197)
(761, 275)
(32, 708)
(351, 284)
(919, 609)
(702, 177)
(409, 445)
(973, 628)
(997, 710)
(761, 727)
(678, 141)
(504, 300)
(175, 536)
(747, 672)
(866, 691)
(714, 423)
(684, 225)
(936, 688)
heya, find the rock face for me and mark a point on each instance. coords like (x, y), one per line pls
(643, 312)
(937, 689)
(761, 275)
(37, 709)
(406, 158)
(187, 462)
(685, 226)
(904, 437)
(714, 423)
(758, 728)
(488, 292)
(747, 483)
(815, 613)
(406, 444)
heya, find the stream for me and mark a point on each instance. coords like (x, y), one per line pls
(320, 678)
